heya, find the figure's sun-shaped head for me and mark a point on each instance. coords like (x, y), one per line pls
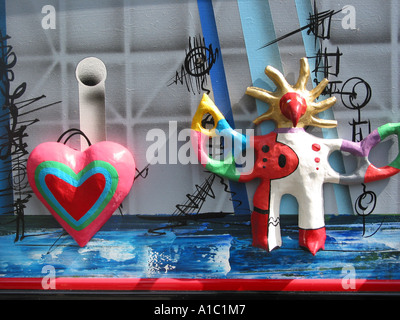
(293, 106)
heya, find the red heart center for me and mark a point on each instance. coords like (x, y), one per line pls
(68, 196)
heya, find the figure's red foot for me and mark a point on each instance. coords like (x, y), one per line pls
(313, 239)
(259, 226)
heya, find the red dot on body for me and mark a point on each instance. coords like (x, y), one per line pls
(316, 147)
(317, 160)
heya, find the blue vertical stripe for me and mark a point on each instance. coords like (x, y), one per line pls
(217, 72)
(6, 196)
(258, 29)
(342, 193)
(221, 93)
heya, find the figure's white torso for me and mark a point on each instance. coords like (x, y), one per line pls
(306, 182)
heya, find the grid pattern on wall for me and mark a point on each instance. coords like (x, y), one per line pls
(143, 44)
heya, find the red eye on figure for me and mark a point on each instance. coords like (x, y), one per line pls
(293, 106)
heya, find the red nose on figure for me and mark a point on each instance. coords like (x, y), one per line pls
(293, 106)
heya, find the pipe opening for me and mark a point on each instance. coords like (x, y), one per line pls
(91, 71)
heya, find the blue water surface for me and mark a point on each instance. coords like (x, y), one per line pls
(201, 250)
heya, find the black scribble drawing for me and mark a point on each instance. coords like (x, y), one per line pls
(197, 65)
(356, 94)
(15, 121)
(319, 26)
(191, 208)
(364, 206)
(326, 63)
(142, 173)
(194, 203)
(320, 23)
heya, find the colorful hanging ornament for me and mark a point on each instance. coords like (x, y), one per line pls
(289, 160)
(81, 189)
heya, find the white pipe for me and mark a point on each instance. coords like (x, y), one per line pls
(91, 74)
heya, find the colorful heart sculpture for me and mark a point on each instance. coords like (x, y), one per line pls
(81, 189)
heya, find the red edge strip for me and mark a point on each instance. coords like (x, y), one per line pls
(136, 284)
